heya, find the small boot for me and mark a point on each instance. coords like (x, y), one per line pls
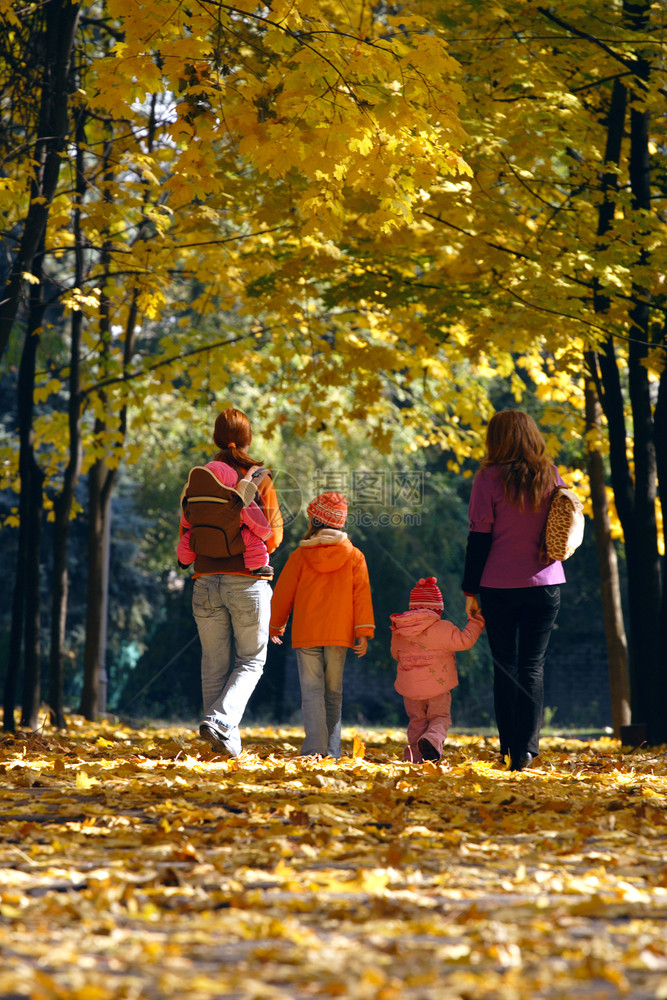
(428, 751)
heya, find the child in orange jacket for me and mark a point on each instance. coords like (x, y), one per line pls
(325, 581)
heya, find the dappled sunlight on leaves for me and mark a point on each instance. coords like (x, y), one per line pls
(139, 863)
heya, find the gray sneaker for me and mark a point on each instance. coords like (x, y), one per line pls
(218, 740)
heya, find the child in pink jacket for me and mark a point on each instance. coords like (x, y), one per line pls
(255, 528)
(424, 645)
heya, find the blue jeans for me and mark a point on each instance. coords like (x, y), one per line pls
(519, 621)
(321, 679)
(232, 615)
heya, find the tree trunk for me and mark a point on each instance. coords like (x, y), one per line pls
(32, 480)
(642, 551)
(660, 428)
(58, 45)
(635, 489)
(16, 633)
(100, 480)
(31, 640)
(612, 612)
(63, 502)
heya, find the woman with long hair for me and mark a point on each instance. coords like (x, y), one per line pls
(231, 605)
(504, 573)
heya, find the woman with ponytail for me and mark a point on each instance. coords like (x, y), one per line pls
(519, 595)
(231, 603)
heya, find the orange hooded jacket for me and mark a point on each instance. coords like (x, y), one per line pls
(326, 582)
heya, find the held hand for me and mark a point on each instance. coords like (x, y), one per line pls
(472, 606)
(361, 645)
(276, 638)
(251, 470)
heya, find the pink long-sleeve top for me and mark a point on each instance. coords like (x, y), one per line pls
(514, 556)
(424, 645)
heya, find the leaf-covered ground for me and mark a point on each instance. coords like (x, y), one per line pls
(139, 864)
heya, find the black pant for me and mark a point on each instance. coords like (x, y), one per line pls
(526, 614)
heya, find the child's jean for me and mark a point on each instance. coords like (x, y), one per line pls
(430, 719)
(321, 679)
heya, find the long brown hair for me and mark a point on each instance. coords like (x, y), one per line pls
(314, 528)
(514, 442)
(233, 434)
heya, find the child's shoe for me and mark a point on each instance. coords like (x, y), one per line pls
(428, 751)
(412, 754)
(265, 572)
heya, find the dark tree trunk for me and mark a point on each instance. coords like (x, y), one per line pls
(16, 632)
(635, 489)
(63, 502)
(57, 45)
(100, 480)
(31, 640)
(32, 480)
(612, 611)
(610, 587)
(642, 548)
(660, 427)
(61, 19)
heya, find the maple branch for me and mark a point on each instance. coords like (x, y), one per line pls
(162, 363)
(522, 182)
(206, 243)
(630, 64)
(596, 83)
(476, 236)
(293, 34)
(576, 319)
(531, 260)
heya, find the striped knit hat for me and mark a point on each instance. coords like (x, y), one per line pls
(426, 595)
(329, 509)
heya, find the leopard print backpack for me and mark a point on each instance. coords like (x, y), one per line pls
(564, 528)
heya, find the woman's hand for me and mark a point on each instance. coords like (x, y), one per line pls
(251, 470)
(477, 616)
(472, 605)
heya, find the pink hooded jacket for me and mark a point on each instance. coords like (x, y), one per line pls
(424, 645)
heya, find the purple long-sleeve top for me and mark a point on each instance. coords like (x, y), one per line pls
(514, 556)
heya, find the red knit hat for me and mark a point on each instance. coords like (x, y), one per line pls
(329, 509)
(426, 595)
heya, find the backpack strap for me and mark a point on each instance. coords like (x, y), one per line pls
(205, 487)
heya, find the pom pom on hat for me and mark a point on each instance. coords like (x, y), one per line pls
(426, 594)
(329, 509)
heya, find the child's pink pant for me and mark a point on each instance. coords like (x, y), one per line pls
(255, 554)
(430, 719)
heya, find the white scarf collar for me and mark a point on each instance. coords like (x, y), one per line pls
(326, 536)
